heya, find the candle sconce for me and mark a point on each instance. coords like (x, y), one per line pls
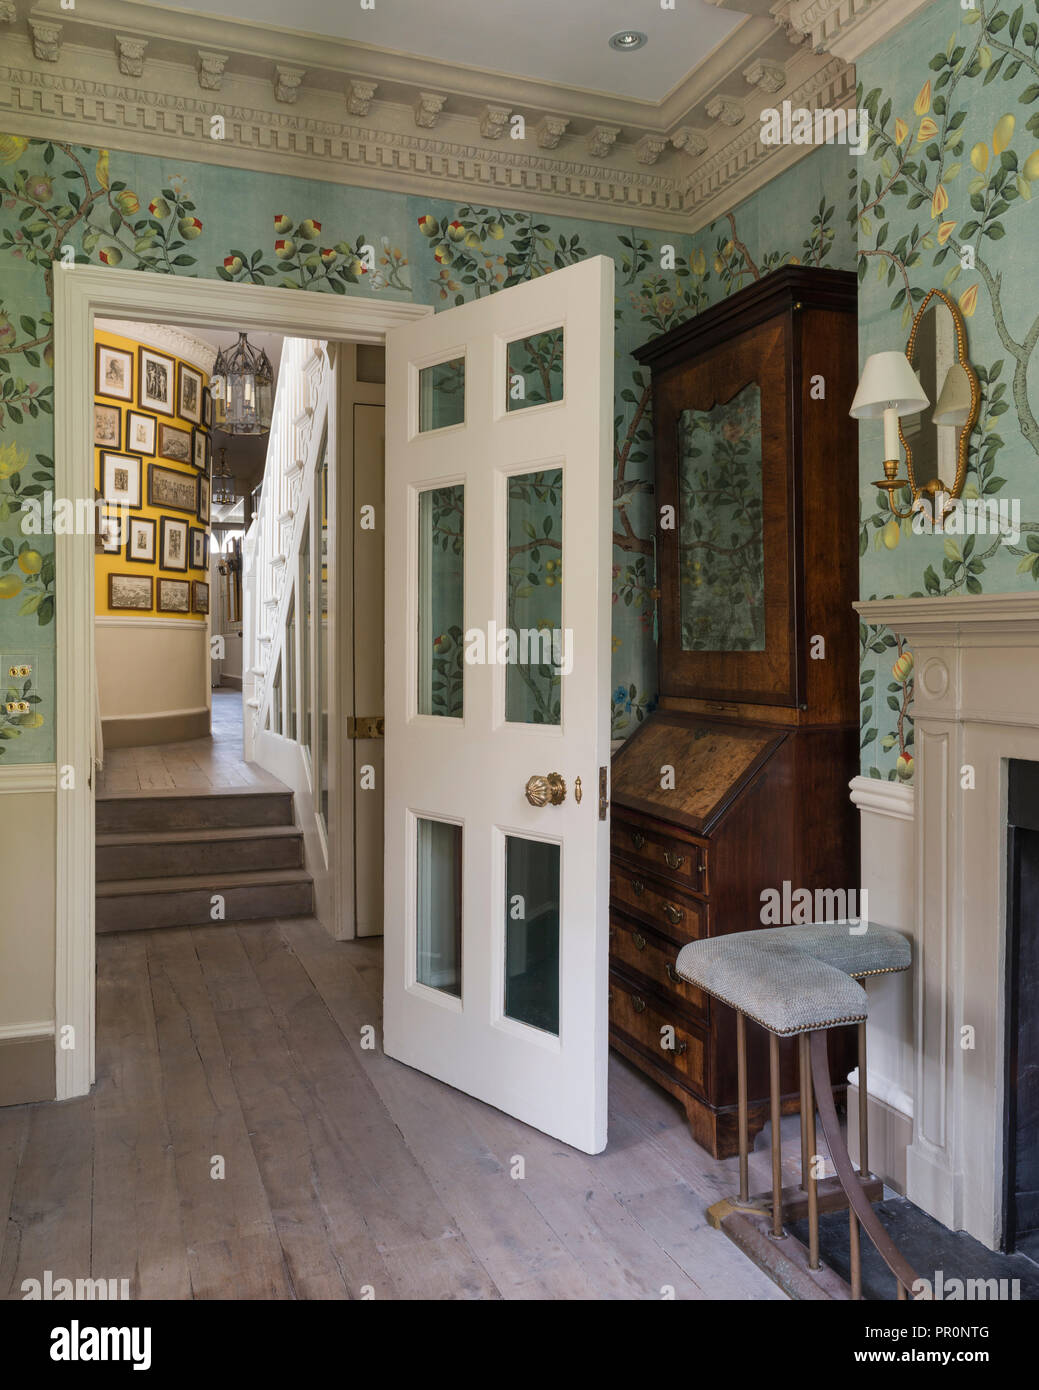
(899, 386)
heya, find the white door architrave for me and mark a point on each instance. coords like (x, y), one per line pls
(82, 293)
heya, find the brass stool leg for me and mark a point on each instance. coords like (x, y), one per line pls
(777, 1146)
(863, 1105)
(856, 1255)
(741, 1085)
(901, 1291)
(805, 1088)
(813, 1189)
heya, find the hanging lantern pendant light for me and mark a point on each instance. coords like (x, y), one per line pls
(224, 489)
(244, 403)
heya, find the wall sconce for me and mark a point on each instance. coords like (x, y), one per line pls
(889, 388)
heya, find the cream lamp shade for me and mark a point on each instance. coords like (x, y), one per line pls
(888, 387)
(954, 402)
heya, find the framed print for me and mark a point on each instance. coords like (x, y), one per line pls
(112, 528)
(108, 426)
(189, 393)
(199, 596)
(130, 591)
(140, 545)
(207, 407)
(174, 596)
(113, 372)
(173, 544)
(199, 548)
(140, 432)
(168, 488)
(200, 449)
(155, 381)
(121, 479)
(174, 443)
(203, 500)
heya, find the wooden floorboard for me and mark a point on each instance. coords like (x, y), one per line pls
(344, 1171)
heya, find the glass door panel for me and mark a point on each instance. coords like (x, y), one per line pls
(534, 601)
(532, 932)
(441, 527)
(438, 935)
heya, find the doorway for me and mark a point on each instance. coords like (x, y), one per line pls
(80, 296)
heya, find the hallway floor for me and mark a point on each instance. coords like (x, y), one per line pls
(341, 1168)
(196, 765)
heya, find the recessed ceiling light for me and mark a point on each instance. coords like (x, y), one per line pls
(628, 40)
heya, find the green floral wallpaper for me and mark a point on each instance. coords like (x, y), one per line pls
(949, 179)
(149, 213)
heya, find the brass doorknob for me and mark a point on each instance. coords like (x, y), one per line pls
(543, 790)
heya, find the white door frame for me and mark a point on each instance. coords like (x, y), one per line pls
(80, 294)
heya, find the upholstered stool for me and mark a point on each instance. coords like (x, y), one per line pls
(802, 981)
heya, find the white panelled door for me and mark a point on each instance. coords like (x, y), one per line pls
(499, 516)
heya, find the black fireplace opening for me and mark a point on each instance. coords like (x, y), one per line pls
(1021, 1120)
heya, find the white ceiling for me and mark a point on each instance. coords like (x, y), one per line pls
(558, 41)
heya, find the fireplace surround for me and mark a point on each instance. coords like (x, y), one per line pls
(975, 709)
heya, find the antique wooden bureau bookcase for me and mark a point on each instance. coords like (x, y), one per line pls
(738, 782)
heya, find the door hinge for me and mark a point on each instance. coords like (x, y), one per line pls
(365, 726)
(604, 804)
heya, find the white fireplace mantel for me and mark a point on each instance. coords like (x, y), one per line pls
(975, 706)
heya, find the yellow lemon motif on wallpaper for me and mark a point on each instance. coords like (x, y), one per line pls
(891, 534)
(30, 562)
(969, 301)
(10, 585)
(1003, 133)
(1031, 169)
(903, 667)
(901, 130)
(101, 169)
(922, 104)
(928, 130)
(12, 460)
(12, 147)
(945, 231)
(979, 156)
(939, 202)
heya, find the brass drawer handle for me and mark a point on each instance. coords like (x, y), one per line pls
(673, 975)
(638, 839)
(673, 914)
(680, 1048)
(701, 868)
(639, 1005)
(639, 940)
(674, 861)
(638, 887)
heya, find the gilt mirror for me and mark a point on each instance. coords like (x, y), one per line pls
(937, 438)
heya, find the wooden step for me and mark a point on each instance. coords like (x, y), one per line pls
(177, 853)
(224, 809)
(140, 904)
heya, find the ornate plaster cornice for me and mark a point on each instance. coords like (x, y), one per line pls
(845, 28)
(138, 76)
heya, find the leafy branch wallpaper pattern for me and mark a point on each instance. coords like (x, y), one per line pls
(139, 212)
(949, 177)
(950, 170)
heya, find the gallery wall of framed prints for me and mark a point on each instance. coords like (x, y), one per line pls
(153, 457)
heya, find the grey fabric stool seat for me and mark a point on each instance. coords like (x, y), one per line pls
(801, 981)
